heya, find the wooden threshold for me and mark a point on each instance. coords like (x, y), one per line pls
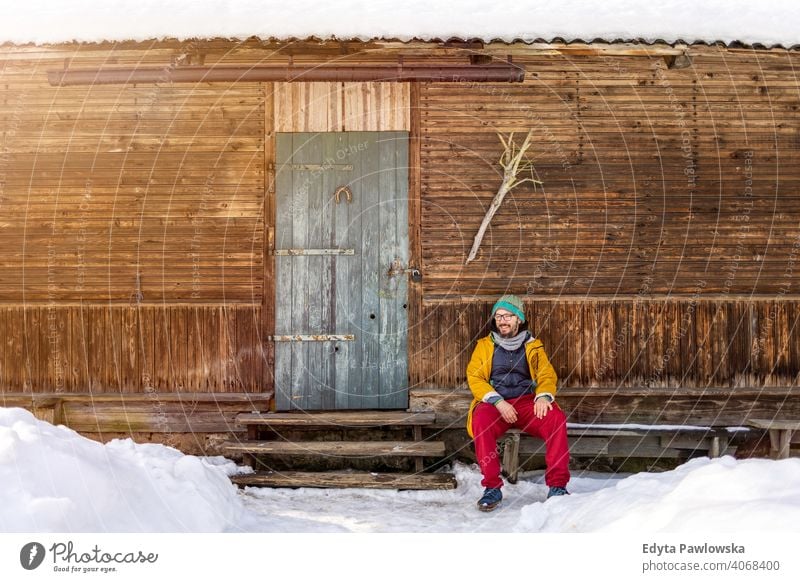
(366, 418)
(416, 481)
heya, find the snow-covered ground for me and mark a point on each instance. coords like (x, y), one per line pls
(54, 480)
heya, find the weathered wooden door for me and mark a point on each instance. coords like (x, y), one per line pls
(341, 250)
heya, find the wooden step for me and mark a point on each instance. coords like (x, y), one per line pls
(348, 480)
(360, 418)
(340, 448)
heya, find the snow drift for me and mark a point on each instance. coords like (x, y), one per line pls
(54, 480)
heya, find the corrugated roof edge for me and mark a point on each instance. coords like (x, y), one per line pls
(736, 44)
(598, 40)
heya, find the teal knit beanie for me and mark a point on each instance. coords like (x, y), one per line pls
(510, 303)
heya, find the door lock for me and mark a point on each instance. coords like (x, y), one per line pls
(397, 268)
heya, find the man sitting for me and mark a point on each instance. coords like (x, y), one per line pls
(514, 385)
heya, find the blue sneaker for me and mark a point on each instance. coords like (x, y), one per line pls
(490, 500)
(556, 492)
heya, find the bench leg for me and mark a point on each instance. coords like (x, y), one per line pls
(780, 441)
(511, 457)
(714, 451)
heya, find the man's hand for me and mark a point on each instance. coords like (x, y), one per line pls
(541, 407)
(507, 411)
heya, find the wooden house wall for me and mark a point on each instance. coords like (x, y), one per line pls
(132, 229)
(657, 259)
(659, 255)
(653, 179)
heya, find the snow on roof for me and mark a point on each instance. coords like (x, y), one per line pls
(774, 23)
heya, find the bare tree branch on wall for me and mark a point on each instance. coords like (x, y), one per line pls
(514, 162)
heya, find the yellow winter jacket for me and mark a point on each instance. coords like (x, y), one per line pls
(479, 370)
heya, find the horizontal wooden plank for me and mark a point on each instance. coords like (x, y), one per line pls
(642, 431)
(365, 418)
(401, 481)
(49, 144)
(626, 300)
(648, 448)
(157, 128)
(159, 160)
(152, 412)
(577, 447)
(718, 410)
(685, 285)
(158, 425)
(627, 447)
(686, 442)
(257, 399)
(774, 424)
(340, 448)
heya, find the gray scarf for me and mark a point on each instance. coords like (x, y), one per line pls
(511, 344)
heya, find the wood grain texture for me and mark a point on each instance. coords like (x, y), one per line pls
(341, 448)
(654, 180)
(333, 107)
(627, 345)
(123, 349)
(401, 481)
(130, 194)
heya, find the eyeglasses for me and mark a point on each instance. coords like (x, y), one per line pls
(503, 316)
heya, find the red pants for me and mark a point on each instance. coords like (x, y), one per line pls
(488, 426)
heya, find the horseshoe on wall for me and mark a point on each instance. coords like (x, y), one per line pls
(347, 192)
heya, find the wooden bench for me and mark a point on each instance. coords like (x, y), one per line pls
(663, 441)
(780, 434)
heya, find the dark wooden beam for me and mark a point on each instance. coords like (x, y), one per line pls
(496, 72)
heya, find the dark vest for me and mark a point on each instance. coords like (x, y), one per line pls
(511, 376)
